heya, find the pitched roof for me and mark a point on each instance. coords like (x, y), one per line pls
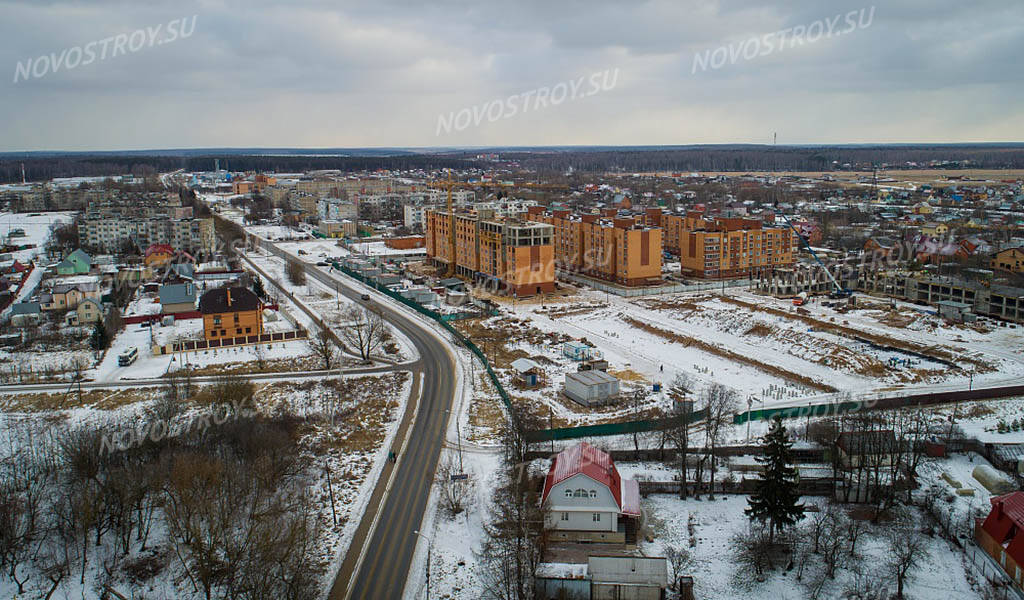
(25, 308)
(177, 293)
(881, 441)
(597, 465)
(228, 299)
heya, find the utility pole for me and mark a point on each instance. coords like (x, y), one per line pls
(430, 545)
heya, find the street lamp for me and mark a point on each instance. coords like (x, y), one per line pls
(430, 545)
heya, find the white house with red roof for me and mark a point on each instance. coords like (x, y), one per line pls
(587, 500)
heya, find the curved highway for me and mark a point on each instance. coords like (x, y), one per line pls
(379, 559)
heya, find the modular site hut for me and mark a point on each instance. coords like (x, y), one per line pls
(591, 388)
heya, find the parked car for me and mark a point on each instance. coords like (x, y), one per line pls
(365, 297)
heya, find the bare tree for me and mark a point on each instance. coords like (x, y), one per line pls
(456, 486)
(679, 435)
(678, 559)
(295, 272)
(321, 344)
(720, 403)
(364, 329)
(260, 352)
(907, 550)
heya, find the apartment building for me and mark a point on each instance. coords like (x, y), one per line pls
(619, 248)
(336, 209)
(723, 248)
(516, 254)
(105, 234)
(415, 215)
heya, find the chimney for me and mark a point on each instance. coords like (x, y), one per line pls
(229, 297)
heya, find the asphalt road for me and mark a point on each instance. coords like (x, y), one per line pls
(389, 549)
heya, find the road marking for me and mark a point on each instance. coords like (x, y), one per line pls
(387, 488)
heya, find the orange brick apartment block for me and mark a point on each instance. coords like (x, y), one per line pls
(608, 246)
(721, 248)
(517, 254)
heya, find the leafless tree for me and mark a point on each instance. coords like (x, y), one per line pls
(720, 403)
(363, 329)
(907, 550)
(296, 272)
(679, 434)
(321, 344)
(260, 352)
(678, 559)
(456, 486)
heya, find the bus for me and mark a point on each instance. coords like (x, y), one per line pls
(127, 357)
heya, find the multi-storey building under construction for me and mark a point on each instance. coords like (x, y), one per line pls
(518, 255)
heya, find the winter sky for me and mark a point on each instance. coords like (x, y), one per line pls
(318, 73)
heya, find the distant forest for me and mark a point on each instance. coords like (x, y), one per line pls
(84, 165)
(554, 160)
(768, 158)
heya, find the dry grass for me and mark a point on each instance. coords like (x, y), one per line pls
(248, 367)
(486, 414)
(728, 354)
(98, 399)
(628, 375)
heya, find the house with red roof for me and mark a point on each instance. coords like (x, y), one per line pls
(586, 500)
(1000, 534)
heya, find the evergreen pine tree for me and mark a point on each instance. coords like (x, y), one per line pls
(776, 496)
(99, 340)
(257, 287)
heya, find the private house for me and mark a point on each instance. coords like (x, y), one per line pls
(66, 296)
(935, 230)
(592, 388)
(861, 448)
(923, 208)
(586, 500)
(25, 313)
(230, 312)
(158, 255)
(178, 298)
(881, 246)
(1011, 259)
(1000, 535)
(76, 263)
(89, 310)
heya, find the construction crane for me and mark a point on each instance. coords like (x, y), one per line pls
(840, 291)
(449, 184)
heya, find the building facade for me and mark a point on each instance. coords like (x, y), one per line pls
(518, 255)
(724, 248)
(622, 249)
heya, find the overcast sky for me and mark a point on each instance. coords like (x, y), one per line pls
(314, 73)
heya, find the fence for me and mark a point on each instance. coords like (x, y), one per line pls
(566, 433)
(243, 340)
(836, 408)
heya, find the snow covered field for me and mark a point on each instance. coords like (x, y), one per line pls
(784, 345)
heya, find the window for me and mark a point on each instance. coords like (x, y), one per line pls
(238, 331)
(213, 333)
(597, 517)
(248, 329)
(568, 493)
(593, 494)
(565, 516)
